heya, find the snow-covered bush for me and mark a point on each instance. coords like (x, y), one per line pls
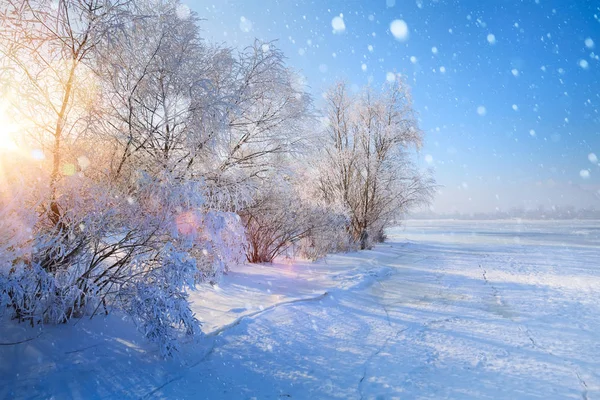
(115, 214)
(113, 252)
(328, 234)
(285, 219)
(274, 221)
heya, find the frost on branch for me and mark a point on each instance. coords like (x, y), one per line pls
(163, 160)
(366, 165)
(95, 226)
(109, 253)
(284, 221)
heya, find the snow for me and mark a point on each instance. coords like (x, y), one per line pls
(399, 29)
(83, 162)
(338, 25)
(589, 43)
(183, 12)
(245, 24)
(444, 309)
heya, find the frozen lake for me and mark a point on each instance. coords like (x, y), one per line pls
(444, 309)
(463, 310)
(507, 309)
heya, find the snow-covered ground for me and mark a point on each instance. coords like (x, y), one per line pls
(445, 309)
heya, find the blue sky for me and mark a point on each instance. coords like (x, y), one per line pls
(507, 91)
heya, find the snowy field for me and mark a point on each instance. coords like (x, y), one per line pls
(445, 309)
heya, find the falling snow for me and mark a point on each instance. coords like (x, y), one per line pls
(338, 25)
(83, 162)
(183, 12)
(399, 29)
(589, 43)
(245, 24)
(461, 314)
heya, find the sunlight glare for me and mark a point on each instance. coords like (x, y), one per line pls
(8, 130)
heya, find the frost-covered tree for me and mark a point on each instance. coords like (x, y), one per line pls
(232, 119)
(96, 238)
(366, 165)
(266, 119)
(161, 159)
(265, 112)
(159, 99)
(46, 47)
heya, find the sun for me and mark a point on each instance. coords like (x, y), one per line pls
(8, 131)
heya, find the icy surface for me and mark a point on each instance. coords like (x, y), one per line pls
(445, 309)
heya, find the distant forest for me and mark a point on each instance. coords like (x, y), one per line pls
(566, 212)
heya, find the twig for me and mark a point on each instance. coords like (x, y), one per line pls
(22, 341)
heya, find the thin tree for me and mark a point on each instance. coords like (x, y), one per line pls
(367, 165)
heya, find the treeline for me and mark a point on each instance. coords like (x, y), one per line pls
(540, 213)
(151, 160)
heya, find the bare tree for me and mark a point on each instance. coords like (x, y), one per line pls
(160, 101)
(264, 119)
(285, 220)
(105, 239)
(367, 166)
(47, 45)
